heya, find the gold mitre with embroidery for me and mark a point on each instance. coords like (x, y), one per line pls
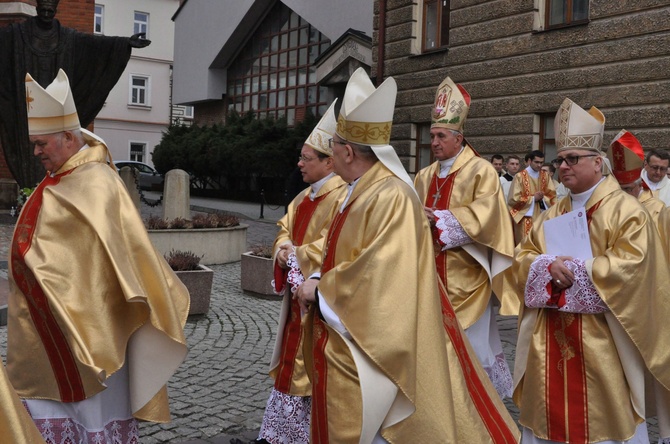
(577, 129)
(452, 103)
(323, 131)
(366, 114)
(626, 156)
(50, 110)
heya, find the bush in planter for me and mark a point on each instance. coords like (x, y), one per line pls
(182, 260)
(179, 223)
(155, 223)
(214, 220)
(197, 278)
(257, 270)
(261, 250)
(219, 239)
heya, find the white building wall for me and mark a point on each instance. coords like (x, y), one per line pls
(120, 122)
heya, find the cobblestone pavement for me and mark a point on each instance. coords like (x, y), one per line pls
(219, 392)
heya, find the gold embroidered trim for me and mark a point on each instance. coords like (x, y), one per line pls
(364, 133)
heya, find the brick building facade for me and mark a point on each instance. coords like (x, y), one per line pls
(519, 59)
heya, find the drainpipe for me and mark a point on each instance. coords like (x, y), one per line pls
(381, 41)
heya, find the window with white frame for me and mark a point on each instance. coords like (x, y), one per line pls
(139, 90)
(98, 16)
(188, 112)
(141, 23)
(138, 151)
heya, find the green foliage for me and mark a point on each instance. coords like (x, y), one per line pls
(237, 152)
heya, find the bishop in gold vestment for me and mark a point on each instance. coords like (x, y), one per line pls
(566, 358)
(379, 278)
(286, 417)
(592, 360)
(96, 315)
(383, 369)
(472, 231)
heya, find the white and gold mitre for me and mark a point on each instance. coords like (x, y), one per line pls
(452, 103)
(366, 114)
(50, 110)
(323, 131)
(577, 129)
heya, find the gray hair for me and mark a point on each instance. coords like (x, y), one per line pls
(365, 151)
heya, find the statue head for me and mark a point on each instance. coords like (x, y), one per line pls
(46, 11)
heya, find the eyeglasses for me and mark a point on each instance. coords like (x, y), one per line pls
(305, 159)
(570, 160)
(657, 168)
(332, 142)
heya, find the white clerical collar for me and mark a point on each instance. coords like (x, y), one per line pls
(445, 165)
(579, 200)
(316, 186)
(653, 186)
(532, 173)
(350, 190)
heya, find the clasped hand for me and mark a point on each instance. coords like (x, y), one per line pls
(561, 276)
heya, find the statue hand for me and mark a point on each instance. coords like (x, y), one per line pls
(138, 40)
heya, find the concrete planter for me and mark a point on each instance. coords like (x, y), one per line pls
(215, 245)
(256, 274)
(199, 285)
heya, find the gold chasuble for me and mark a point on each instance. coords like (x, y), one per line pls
(664, 230)
(16, 425)
(395, 370)
(581, 378)
(474, 197)
(103, 299)
(521, 195)
(653, 205)
(304, 223)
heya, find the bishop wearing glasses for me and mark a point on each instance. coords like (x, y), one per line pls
(592, 361)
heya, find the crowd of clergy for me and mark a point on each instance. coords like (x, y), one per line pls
(391, 286)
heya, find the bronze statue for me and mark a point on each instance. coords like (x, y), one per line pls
(40, 46)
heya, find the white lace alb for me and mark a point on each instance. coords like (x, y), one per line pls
(295, 277)
(580, 297)
(451, 233)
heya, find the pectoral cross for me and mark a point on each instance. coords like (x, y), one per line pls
(436, 197)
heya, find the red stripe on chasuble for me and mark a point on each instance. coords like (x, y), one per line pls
(491, 418)
(439, 193)
(319, 417)
(565, 384)
(292, 335)
(61, 358)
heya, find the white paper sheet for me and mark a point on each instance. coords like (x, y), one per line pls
(568, 235)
